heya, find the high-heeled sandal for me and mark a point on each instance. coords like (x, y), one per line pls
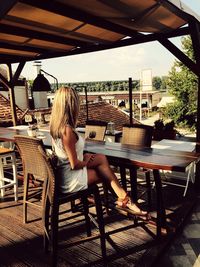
(127, 203)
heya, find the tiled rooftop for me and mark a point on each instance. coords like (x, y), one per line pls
(104, 112)
(96, 111)
(5, 110)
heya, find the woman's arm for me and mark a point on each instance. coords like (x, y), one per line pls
(69, 142)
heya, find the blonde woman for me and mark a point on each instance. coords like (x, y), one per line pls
(77, 170)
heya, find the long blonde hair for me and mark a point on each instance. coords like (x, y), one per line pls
(65, 111)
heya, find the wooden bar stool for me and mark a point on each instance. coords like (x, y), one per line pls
(7, 158)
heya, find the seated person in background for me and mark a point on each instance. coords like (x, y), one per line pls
(77, 170)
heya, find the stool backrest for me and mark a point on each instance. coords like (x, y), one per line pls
(95, 130)
(33, 161)
(137, 134)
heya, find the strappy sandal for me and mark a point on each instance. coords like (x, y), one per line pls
(127, 203)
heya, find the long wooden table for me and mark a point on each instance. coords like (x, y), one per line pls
(127, 155)
(155, 159)
(7, 135)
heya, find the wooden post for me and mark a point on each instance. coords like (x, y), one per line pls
(12, 95)
(86, 99)
(195, 35)
(130, 100)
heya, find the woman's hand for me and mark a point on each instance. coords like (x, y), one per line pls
(88, 158)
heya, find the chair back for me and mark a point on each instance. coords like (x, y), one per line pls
(52, 189)
(32, 159)
(95, 130)
(137, 134)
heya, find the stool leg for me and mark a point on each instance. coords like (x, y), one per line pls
(2, 178)
(15, 177)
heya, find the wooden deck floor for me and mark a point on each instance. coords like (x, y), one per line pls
(22, 244)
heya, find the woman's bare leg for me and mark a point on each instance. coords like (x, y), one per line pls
(99, 171)
(104, 174)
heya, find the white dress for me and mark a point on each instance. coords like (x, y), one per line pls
(70, 180)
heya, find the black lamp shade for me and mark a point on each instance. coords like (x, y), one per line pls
(41, 84)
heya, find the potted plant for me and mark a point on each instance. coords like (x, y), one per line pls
(158, 130)
(169, 131)
(164, 130)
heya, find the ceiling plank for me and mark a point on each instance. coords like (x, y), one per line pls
(33, 34)
(80, 15)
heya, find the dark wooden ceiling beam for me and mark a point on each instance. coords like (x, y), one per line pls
(18, 72)
(33, 34)
(13, 81)
(23, 48)
(180, 55)
(8, 58)
(80, 15)
(4, 80)
(5, 6)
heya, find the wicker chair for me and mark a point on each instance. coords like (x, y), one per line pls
(95, 130)
(138, 135)
(33, 168)
(54, 199)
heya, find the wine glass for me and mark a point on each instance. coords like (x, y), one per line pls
(92, 134)
(38, 117)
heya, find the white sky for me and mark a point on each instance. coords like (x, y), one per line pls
(113, 64)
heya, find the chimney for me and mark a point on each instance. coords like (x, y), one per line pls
(38, 65)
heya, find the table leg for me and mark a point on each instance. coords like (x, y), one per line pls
(133, 180)
(197, 180)
(161, 215)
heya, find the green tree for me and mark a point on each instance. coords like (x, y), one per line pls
(182, 84)
(157, 82)
(164, 82)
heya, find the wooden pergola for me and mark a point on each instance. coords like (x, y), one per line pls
(34, 30)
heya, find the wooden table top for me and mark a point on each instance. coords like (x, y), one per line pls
(7, 134)
(150, 158)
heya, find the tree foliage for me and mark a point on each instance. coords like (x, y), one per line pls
(182, 84)
(157, 82)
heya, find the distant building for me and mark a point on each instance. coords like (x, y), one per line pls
(148, 99)
(165, 100)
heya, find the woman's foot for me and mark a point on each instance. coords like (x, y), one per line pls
(127, 203)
